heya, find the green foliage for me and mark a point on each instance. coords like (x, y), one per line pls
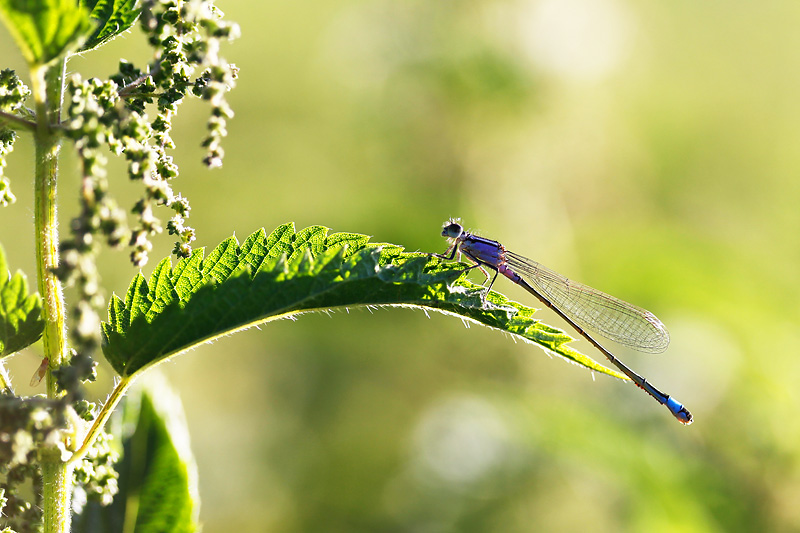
(112, 16)
(45, 29)
(158, 482)
(287, 273)
(21, 321)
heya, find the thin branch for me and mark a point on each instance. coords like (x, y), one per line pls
(102, 417)
(14, 120)
(125, 91)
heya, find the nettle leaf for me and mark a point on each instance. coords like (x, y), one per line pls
(286, 273)
(21, 321)
(45, 29)
(112, 18)
(158, 490)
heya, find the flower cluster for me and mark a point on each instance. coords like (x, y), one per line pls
(128, 115)
(13, 92)
(29, 424)
(34, 424)
(7, 138)
(186, 37)
(131, 115)
(94, 109)
(96, 477)
(12, 95)
(81, 367)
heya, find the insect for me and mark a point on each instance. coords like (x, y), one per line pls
(38, 376)
(581, 306)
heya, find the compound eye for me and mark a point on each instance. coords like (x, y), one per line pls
(452, 230)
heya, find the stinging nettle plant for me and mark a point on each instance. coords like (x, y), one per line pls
(56, 444)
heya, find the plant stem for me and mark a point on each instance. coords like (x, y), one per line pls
(102, 417)
(47, 88)
(47, 149)
(57, 477)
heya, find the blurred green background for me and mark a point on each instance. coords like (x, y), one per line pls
(648, 148)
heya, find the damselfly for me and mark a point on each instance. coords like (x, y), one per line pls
(581, 306)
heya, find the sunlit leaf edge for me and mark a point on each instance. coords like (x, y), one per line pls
(111, 18)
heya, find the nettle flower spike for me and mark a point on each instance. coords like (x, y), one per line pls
(186, 37)
(13, 94)
(129, 114)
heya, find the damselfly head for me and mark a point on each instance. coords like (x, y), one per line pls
(452, 229)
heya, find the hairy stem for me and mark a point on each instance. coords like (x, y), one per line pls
(102, 417)
(47, 148)
(47, 89)
(57, 487)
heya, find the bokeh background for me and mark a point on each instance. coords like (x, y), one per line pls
(648, 148)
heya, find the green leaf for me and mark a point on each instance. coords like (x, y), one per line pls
(158, 490)
(286, 273)
(21, 321)
(45, 29)
(112, 18)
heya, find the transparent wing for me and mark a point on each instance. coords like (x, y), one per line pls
(611, 317)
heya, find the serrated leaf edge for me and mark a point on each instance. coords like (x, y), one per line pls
(301, 261)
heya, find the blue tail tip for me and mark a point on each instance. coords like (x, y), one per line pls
(679, 411)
